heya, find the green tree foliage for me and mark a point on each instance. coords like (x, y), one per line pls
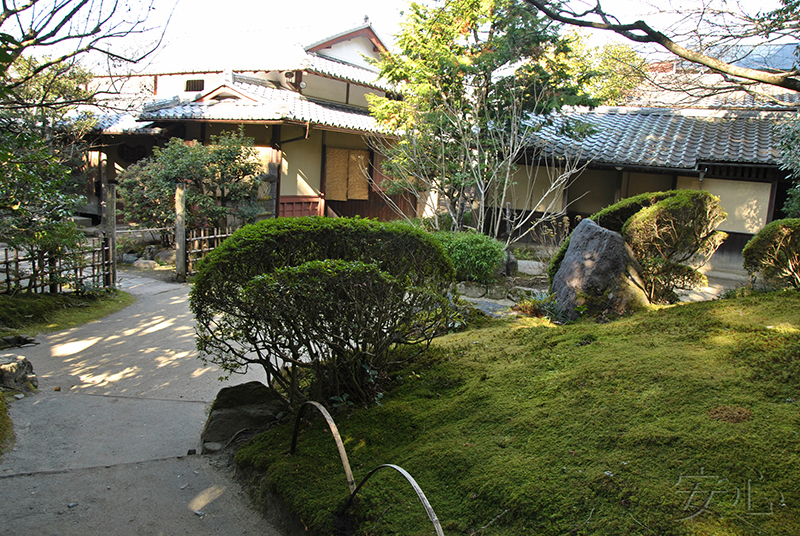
(616, 69)
(222, 180)
(331, 296)
(789, 143)
(471, 72)
(672, 238)
(774, 253)
(475, 257)
(35, 206)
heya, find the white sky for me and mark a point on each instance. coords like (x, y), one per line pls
(227, 33)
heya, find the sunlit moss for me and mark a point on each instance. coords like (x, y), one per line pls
(604, 429)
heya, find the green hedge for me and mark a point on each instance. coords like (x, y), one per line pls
(476, 257)
(329, 295)
(774, 253)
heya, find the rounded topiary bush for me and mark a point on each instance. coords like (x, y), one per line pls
(475, 256)
(332, 296)
(774, 253)
(613, 218)
(672, 238)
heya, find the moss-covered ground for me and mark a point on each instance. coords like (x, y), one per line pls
(681, 420)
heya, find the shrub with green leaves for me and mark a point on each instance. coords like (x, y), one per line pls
(613, 217)
(774, 253)
(671, 233)
(672, 238)
(332, 296)
(475, 256)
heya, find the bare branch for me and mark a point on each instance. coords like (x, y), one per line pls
(640, 32)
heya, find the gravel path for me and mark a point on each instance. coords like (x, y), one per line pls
(102, 448)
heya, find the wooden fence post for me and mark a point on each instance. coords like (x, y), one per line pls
(180, 233)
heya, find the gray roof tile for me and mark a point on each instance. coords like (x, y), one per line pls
(269, 104)
(657, 137)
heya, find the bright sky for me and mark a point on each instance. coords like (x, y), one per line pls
(222, 33)
(214, 30)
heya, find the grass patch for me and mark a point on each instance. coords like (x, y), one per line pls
(31, 314)
(605, 429)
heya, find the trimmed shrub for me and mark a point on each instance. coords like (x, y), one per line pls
(774, 253)
(613, 218)
(672, 238)
(332, 296)
(476, 257)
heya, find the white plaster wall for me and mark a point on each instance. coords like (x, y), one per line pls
(325, 88)
(352, 51)
(302, 166)
(747, 203)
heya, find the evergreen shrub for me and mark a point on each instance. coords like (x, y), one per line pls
(672, 238)
(774, 253)
(329, 296)
(475, 256)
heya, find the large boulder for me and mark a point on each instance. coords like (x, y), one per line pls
(245, 406)
(598, 274)
(17, 373)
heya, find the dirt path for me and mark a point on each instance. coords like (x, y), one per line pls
(101, 449)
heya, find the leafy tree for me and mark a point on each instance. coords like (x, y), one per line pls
(789, 140)
(471, 73)
(616, 69)
(221, 179)
(35, 206)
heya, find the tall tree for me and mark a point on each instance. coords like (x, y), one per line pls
(472, 72)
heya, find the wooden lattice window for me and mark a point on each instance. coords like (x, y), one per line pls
(346, 174)
(195, 85)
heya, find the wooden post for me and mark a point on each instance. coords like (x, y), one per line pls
(111, 232)
(180, 233)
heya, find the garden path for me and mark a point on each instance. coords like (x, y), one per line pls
(102, 448)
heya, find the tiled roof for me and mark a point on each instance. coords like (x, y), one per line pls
(666, 138)
(327, 67)
(269, 104)
(123, 123)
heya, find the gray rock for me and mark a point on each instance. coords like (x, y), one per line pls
(249, 405)
(144, 263)
(129, 258)
(150, 253)
(166, 257)
(17, 373)
(517, 294)
(471, 290)
(598, 272)
(496, 292)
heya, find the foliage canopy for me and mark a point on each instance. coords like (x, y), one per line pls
(471, 73)
(329, 296)
(222, 180)
(774, 253)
